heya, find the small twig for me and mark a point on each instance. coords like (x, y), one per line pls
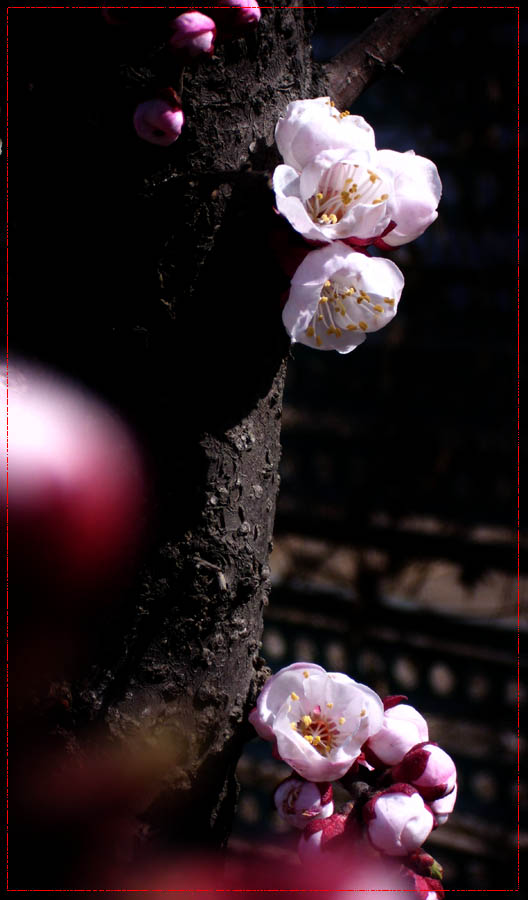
(362, 61)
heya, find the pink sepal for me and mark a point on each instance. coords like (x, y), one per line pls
(393, 700)
(326, 792)
(378, 241)
(412, 766)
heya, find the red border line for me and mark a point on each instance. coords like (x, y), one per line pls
(263, 890)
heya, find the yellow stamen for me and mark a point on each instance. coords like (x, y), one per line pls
(363, 712)
(341, 720)
(329, 704)
(293, 726)
(338, 332)
(294, 696)
(377, 307)
(319, 196)
(309, 738)
(317, 739)
(307, 720)
(332, 103)
(306, 674)
(323, 299)
(389, 301)
(318, 341)
(363, 326)
(351, 327)
(333, 218)
(328, 284)
(310, 332)
(331, 330)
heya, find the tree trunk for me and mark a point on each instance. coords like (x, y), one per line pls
(166, 296)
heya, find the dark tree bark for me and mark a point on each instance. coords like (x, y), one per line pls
(166, 296)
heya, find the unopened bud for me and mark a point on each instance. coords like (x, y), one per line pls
(443, 807)
(158, 122)
(429, 768)
(403, 727)
(193, 34)
(397, 820)
(299, 802)
(321, 836)
(236, 15)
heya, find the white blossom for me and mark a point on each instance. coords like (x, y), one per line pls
(319, 720)
(335, 185)
(338, 295)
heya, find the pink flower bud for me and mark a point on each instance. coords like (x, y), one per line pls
(424, 887)
(194, 34)
(299, 802)
(158, 122)
(428, 768)
(237, 15)
(321, 835)
(424, 864)
(443, 807)
(397, 820)
(403, 727)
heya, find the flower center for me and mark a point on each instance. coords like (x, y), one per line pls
(345, 307)
(320, 731)
(342, 187)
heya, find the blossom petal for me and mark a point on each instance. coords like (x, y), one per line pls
(275, 691)
(417, 192)
(311, 126)
(286, 187)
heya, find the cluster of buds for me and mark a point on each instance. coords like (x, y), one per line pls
(158, 120)
(194, 33)
(342, 194)
(328, 727)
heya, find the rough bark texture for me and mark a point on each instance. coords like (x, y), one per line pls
(166, 252)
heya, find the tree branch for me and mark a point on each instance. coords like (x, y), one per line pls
(373, 52)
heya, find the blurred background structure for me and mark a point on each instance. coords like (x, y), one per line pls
(395, 544)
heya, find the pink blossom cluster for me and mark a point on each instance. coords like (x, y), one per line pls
(339, 192)
(328, 727)
(160, 120)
